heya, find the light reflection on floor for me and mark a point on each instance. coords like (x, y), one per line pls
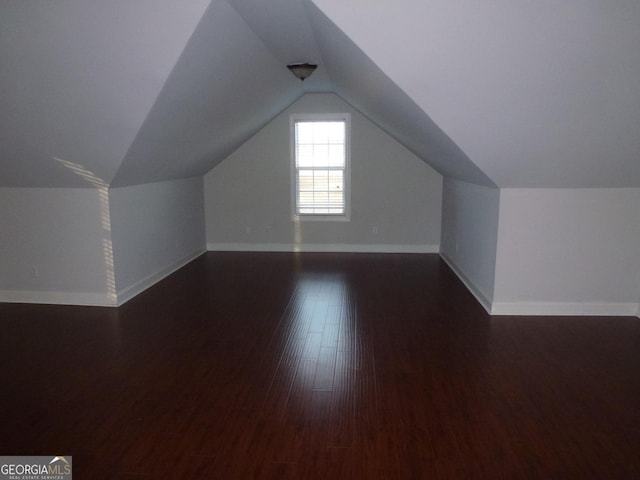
(319, 335)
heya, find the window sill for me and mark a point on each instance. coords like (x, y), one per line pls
(320, 218)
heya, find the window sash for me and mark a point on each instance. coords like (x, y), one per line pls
(320, 191)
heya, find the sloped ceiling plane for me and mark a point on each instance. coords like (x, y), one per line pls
(507, 94)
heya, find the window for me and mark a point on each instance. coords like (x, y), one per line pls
(320, 152)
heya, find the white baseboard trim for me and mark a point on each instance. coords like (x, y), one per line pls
(483, 299)
(95, 299)
(321, 248)
(141, 285)
(58, 298)
(612, 309)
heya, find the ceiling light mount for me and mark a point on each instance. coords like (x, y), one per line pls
(302, 70)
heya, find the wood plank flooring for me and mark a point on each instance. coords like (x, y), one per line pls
(319, 366)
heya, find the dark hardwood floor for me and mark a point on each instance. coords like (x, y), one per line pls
(319, 366)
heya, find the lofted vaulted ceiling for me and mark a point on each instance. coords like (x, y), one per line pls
(537, 93)
(124, 92)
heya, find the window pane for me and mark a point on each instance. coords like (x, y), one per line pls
(305, 180)
(304, 155)
(305, 200)
(304, 132)
(321, 155)
(336, 180)
(321, 180)
(336, 132)
(336, 155)
(336, 199)
(321, 199)
(320, 132)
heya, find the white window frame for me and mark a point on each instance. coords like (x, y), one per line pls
(321, 117)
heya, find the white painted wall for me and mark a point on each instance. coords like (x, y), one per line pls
(55, 246)
(568, 251)
(156, 229)
(469, 235)
(248, 196)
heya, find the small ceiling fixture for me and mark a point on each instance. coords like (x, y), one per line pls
(302, 70)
